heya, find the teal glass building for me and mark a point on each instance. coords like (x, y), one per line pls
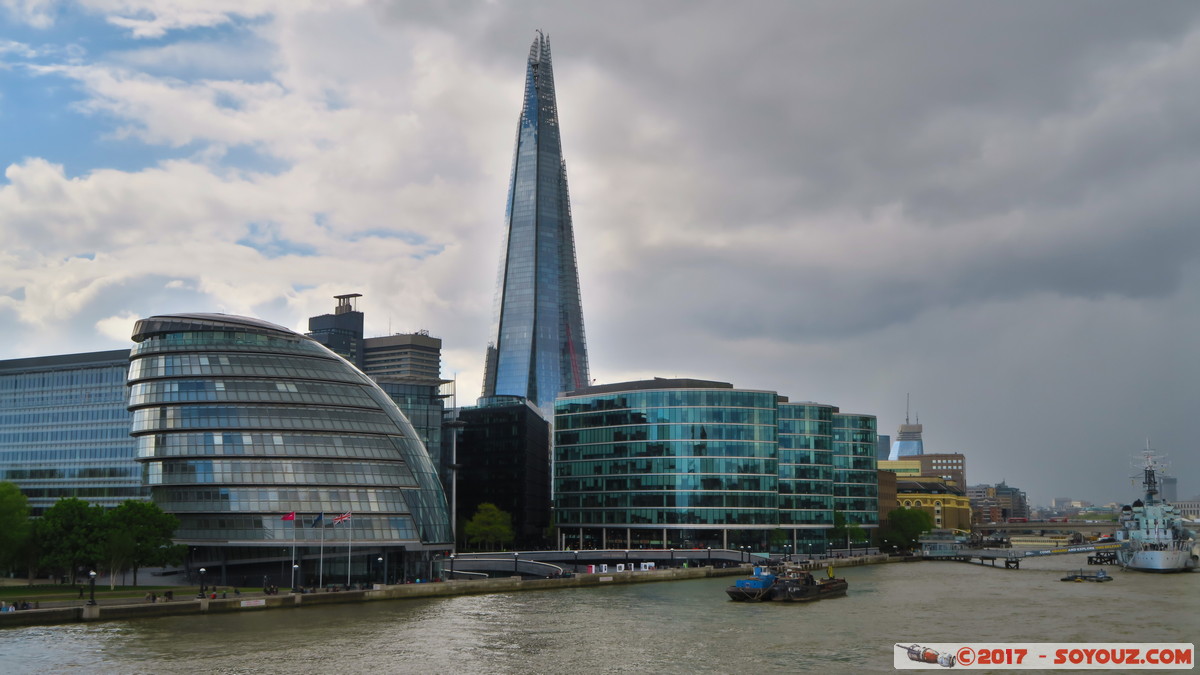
(806, 475)
(64, 429)
(680, 463)
(238, 422)
(538, 348)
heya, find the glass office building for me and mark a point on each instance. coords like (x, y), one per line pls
(855, 483)
(666, 463)
(805, 475)
(64, 429)
(538, 348)
(504, 455)
(677, 463)
(240, 423)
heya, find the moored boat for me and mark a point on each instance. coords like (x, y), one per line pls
(787, 586)
(1154, 532)
(1083, 576)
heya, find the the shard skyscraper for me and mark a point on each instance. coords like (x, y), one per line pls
(538, 347)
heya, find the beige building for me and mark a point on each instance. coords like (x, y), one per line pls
(950, 508)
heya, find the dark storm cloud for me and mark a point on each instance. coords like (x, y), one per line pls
(991, 206)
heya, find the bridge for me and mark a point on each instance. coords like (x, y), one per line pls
(556, 563)
(1099, 527)
(946, 550)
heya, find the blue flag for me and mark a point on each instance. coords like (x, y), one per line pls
(319, 519)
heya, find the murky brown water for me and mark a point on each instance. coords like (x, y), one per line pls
(673, 627)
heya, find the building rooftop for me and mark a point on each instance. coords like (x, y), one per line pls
(656, 383)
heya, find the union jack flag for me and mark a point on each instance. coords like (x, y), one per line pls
(338, 519)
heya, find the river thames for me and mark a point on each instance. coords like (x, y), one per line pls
(669, 627)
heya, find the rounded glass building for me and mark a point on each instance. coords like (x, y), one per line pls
(279, 457)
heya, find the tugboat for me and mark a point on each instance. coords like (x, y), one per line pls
(1082, 576)
(788, 586)
(1153, 530)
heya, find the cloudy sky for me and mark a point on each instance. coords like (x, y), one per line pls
(989, 206)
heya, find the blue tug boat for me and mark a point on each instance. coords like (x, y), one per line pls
(788, 586)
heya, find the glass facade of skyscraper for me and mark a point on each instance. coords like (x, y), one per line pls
(538, 348)
(692, 463)
(64, 429)
(240, 423)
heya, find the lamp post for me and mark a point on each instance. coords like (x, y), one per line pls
(295, 568)
(92, 584)
(202, 586)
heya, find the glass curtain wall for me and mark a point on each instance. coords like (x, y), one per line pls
(240, 423)
(538, 349)
(685, 468)
(856, 486)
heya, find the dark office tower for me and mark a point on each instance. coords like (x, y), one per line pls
(504, 452)
(342, 331)
(538, 348)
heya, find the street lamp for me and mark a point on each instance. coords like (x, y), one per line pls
(295, 568)
(92, 583)
(202, 586)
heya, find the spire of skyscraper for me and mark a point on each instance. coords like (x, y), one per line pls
(538, 348)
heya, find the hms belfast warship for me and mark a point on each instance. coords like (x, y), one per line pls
(1155, 531)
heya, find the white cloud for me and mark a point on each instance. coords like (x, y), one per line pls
(36, 13)
(835, 203)
(118, 327)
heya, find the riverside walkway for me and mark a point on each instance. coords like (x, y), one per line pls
(108, 609)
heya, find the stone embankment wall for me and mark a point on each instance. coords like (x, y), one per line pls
(129, 609)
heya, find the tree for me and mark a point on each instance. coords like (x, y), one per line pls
(489, 526)
(904, 528)
(844, 532)
(14, 526)
(139, 535)
(69, 534)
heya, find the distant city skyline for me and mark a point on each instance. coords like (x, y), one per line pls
(849, 203)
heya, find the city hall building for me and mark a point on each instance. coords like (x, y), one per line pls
(273, 451)
(682, 463)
